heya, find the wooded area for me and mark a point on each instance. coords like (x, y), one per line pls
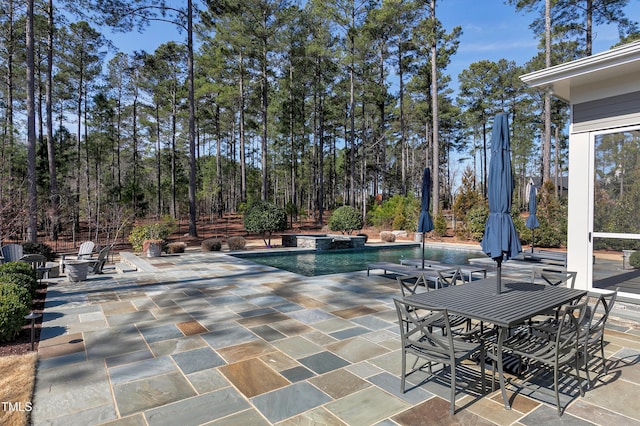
(311, 106)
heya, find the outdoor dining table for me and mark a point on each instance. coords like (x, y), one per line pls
(516, 303)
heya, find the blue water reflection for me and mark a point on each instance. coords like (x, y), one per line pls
(312, 264)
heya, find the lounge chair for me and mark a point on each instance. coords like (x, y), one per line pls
(84, 252)
(12, 252)
(98, 263)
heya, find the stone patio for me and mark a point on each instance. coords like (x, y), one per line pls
(205, 338)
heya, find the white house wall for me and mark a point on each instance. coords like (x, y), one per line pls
(579, 209)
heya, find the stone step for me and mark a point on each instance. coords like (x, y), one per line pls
(123, 267)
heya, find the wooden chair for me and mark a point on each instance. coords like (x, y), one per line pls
(98, 263)
(12, 252)
(419, 340)
(85, 251)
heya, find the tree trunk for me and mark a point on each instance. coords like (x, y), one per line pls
(32, 187)
(243, 160)
(546, 143)
(192, 125)
(51, 152)
(264, 107)
(158, 173)
(435, 202)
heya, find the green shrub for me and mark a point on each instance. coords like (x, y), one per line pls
(476, 220)
(236, 243)
(18, 268)
(39, 248)
(176, 247)
(387, 236)
(151, 231)
(211, 244)
(265, 219)
(345, 219)
(398, 212)
(27, 282)
(440, 225)
(634, 259)
(13, 309)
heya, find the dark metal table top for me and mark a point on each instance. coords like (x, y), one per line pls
(517, 302)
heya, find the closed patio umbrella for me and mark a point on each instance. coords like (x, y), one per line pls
(500, 239)
(425, 224)
(532, 220)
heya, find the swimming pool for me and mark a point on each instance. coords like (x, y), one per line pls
(314, 263)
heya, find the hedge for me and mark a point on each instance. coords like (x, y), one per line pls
(13, 309)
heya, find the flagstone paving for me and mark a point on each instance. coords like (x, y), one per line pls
(205, 338)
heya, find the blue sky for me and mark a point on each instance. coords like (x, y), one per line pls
(491, 30)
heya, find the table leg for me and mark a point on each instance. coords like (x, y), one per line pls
(501, 336)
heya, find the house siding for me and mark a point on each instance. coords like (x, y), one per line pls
(607, 113)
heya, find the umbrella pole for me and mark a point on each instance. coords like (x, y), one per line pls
(533, 234)
(499, 276)
(423, 250)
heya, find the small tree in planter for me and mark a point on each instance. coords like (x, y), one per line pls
(345, 219)
(150, 238)
(265, 219)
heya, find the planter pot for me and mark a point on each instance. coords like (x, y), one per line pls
(152, 248)
(77, 270)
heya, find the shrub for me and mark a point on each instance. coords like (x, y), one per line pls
(176, 247)
(398, 212)
(14, 305)
(387, 236)
(476, 220)
(39, 248)
(345, 219)
(211, 244)
(18, 268)
(151, 231)
(634, 259)
(265, 219)
(440, 225)
(236, 243)
(27, 282)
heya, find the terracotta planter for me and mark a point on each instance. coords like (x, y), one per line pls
(152, 248)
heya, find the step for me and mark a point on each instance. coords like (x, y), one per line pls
(123, 267)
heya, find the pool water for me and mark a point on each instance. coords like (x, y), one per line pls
(316, 263)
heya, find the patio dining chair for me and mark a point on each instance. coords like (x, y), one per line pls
(543, 354)
(592, 333)
(449, 277)
(553, 277)
(412, 284)
(418, 339)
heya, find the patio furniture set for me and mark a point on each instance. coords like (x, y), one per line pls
(78, 265)
(545, 325)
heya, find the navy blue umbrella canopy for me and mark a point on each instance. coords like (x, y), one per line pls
(425, 223)
(501, 239)
(532, 221)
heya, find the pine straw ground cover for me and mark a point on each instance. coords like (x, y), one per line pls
(18, 370)
(17, 378)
